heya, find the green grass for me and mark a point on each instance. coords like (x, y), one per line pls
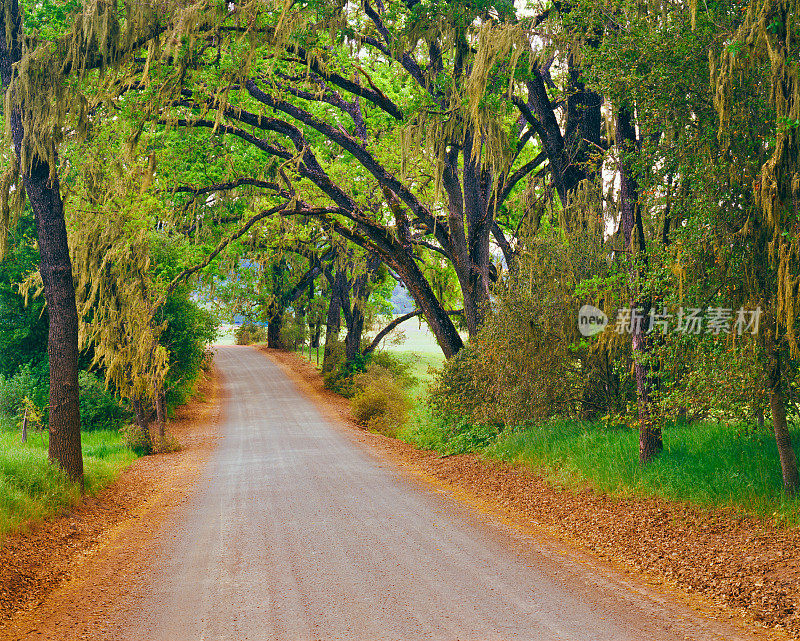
(31, 488)
(413, 337)
(422, 366)
(709, 465)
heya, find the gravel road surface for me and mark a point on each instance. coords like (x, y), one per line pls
(298, 533)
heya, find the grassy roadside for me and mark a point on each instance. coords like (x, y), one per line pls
(734, 467)
(31, 488)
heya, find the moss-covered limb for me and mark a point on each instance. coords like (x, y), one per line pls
(768, 35)
(354, 147)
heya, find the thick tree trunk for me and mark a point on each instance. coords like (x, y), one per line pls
(473, 269)
(438, 320)
(333, 322)
(56, 270)
(352, 341)
(315, 331)
(274, 329)
(62, 343)
(786, 453)
(354, 316)
(650, 438)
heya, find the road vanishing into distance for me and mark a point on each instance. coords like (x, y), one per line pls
(297, 532)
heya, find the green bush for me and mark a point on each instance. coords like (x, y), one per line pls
(100, 408)
(26, 383)
(341, 379)
(189, 331)
(293, 330)
(400, 368)
(249, 333)
(379, 403)
(528, 362)
(447, 435)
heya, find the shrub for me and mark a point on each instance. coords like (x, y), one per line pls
(249, 333)
(528, 361)
(400, 368)
(100, 409)
(26, 383)
(380, 402)
(447, 434)
(293, 330)
(341, 379)
(190, 329)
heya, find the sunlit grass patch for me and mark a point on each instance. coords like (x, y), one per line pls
(707, 464)
(31, 488)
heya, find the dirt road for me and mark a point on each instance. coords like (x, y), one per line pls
(297, 533)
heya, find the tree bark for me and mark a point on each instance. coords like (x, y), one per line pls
(777, 401)
(141, 418)
(274, 327)
(333, 321)
(438, 320)
(55, 268)
(650, 437)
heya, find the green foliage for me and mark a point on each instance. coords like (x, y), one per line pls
(378, 387)
(100, 408)
(446, 434)
(189, 330)
(27, 383)
(249, 333)
(712, 379)
(340, 377)
(188, 327)
(293, 330)
(526, 362)
(23, 324)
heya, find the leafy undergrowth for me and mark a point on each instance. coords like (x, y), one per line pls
(707, 464)
(31, 488)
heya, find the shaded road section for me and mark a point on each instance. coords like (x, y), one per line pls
(298, 533)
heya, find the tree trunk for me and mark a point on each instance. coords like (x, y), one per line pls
(55, 267)
(354, 316)
(140, 415)
(161, 412)
(777, 400)
(438, 320)
(333, 322)
(352, 341)
(650, 438)
(315, 331)
(274, 329)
